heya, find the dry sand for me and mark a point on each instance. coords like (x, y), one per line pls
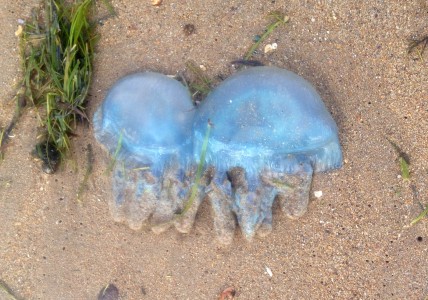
(351, 244)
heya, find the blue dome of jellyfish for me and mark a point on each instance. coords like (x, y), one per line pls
(145, 123)
(148, 116)
(269, 131)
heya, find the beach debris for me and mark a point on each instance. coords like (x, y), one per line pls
(49, 155)
(250, 63)
(189, 29)
(270, 47)
(228, 294)
(418, 45)
(422, 215)
(56, 47)
(268, 271)
(199, 85)
(19, 31)
(403, 160)
(318, 194)
(6, 292)
(88, 171)
(109, 292)
(278, 19)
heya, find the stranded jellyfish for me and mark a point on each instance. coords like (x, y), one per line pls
(259, 136)
(269, 132)
(145, 123)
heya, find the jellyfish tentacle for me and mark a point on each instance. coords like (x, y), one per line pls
(143, 201)
(252, 203)
(293, 190)
(184, 221)
(135, 195)
(170, 200)
(117, 203)
(268, 193)
(266, 225)
(195, 195)
(219, 193)
(246, 204)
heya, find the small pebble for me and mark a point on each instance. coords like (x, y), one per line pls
(270, 47)
(156, 2)
(228, 294)
(18, 32)
(318, 194)
(269, 271)
(109, 292)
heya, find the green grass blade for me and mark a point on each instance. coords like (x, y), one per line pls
(110, 7)
(79, 23)
(115, 154)
(404, 167)
(403, 160)
(420, 216)
(278, 19)
(198, 176)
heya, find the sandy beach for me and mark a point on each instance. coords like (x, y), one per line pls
(354, 242)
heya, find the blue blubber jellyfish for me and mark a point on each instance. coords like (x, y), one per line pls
(145, 123)
(269, 131)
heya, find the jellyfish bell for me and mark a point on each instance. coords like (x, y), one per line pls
(270, 132)
(148, 115)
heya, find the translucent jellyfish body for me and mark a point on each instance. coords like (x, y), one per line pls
(145, 123)
(269, 132)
